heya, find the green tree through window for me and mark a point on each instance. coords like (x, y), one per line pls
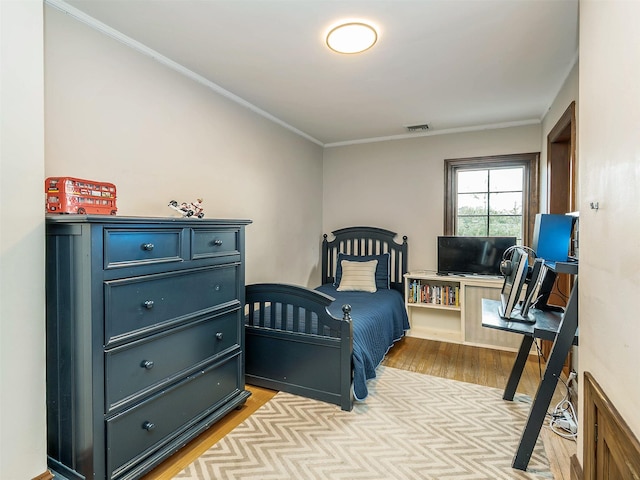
(489, 202)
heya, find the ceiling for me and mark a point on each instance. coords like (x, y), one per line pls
(457, 65)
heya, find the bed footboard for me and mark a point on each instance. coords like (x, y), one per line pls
(293, 344)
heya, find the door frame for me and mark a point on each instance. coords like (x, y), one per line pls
(561, 163)
(561, 195)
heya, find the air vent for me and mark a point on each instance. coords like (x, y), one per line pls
(418, 128)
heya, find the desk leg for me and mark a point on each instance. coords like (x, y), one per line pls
(518, 367)
(561, 346)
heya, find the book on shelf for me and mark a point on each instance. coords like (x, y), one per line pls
(435, 294)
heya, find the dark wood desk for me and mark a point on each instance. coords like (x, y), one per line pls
(546, 327)
(562, 329)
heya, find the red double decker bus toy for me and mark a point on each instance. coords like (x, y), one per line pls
(75, 195)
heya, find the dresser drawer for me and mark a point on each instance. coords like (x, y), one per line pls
(137, 432)
(129, 247)
(135, 369)
(152, 301)
(214, 243)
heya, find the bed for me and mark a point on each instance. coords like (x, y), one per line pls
(326, 343)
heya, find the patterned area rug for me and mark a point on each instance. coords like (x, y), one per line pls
(412, 426)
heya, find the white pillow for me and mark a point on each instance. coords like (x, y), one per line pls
(358, 276)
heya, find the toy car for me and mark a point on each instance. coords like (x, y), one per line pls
(188, 209)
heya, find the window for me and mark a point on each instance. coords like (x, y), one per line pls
(492, 196)
(489, 202)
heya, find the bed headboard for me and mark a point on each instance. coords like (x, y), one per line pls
(365, 241)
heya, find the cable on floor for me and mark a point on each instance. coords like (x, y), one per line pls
(563, 420)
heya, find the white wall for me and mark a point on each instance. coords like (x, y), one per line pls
(113, 114)
(22, 337)
(609, 143)
(399, 185)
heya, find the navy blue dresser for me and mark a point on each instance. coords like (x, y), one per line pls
(145, 338)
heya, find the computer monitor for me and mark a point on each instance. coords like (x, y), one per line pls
(523, 313)
(552, 236)
(515, 273)
(552, 241)
(533, 289)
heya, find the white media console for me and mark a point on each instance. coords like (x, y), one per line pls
(461, 322)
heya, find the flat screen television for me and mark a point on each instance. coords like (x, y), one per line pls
(459, 255)
(514, 279)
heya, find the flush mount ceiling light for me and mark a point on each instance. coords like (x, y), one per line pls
(352, 37)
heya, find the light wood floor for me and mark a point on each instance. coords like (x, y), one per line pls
(459, 362)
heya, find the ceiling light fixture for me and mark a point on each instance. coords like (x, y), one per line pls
(352, 37)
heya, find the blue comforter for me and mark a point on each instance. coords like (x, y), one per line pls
(379, 320)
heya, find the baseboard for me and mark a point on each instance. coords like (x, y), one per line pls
(575, 468)
(44, 476)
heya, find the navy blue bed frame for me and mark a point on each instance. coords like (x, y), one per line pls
(295, 360)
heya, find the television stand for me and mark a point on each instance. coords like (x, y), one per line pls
(453, 322)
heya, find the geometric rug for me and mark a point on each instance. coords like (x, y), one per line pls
(411, 426)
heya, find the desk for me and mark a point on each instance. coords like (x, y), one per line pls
(562, 328)
(546, 327)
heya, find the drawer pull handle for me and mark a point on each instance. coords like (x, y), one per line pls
(219, 335)
(148, 426)
(217, 242)
(148, 246)
(217, 288)
(148, 364)
(148, 304)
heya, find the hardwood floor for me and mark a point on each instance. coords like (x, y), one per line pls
(459, 362)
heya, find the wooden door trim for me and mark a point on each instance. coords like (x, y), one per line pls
(561, 147)
(557, 135)
(599, 410)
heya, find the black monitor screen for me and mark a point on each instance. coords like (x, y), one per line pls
(513, 281)
(472, 255)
